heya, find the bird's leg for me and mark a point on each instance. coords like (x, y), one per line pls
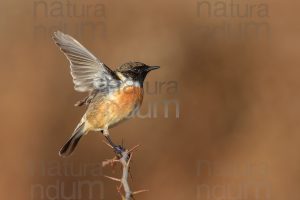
(110, 141)
(118, 148)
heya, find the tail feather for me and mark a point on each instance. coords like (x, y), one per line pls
(71, 144)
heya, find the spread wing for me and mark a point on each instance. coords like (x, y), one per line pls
(87, 71)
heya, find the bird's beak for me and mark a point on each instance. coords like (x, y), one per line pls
(150, 68)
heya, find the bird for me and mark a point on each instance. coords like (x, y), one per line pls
(113, 95)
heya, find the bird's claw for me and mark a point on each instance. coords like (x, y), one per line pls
(119, 150)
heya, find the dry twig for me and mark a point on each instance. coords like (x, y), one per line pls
(124, 158)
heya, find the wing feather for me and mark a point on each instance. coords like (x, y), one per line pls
(87, 71)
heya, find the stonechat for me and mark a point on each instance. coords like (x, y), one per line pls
(114, 95)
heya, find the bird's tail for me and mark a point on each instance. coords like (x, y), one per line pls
(71, 144)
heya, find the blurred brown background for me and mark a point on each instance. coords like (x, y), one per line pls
(237, 69)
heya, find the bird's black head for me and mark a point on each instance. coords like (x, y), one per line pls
(135, 71)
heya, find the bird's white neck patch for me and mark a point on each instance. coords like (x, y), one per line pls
(129, 82)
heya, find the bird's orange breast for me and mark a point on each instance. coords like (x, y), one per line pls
(114, 108)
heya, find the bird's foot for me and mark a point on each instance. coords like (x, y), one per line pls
(119, 150)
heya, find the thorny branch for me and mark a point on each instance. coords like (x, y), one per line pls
(123, 157)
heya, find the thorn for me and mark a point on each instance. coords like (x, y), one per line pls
(107, 144)
(139, 191)
(119, 187)
(119, 191)
(110, 162)
(112, 178)
(129, 159)
(133, 148)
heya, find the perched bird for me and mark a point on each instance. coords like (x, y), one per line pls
(114, 96)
